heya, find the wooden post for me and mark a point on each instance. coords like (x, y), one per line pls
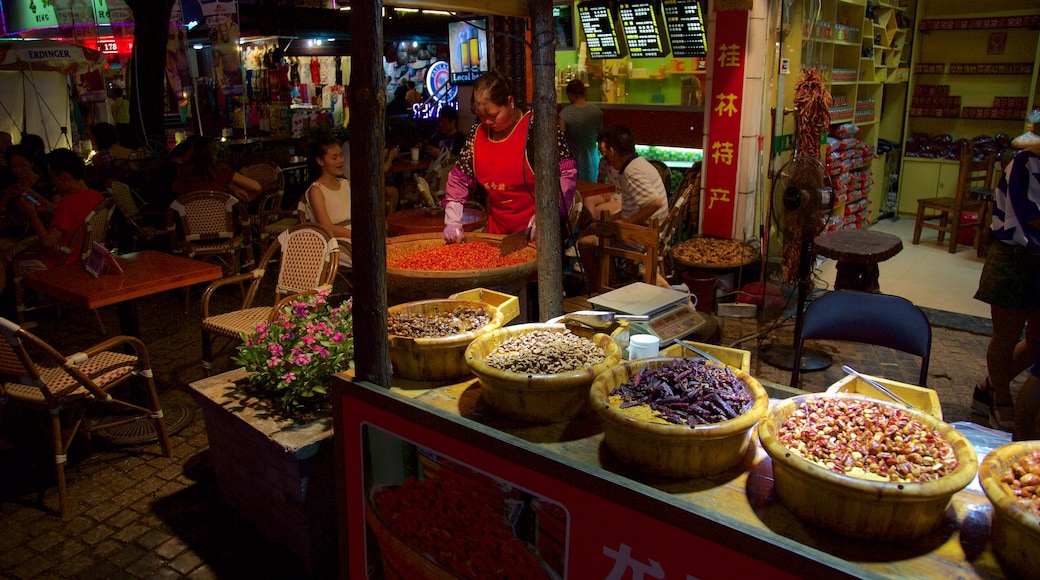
(546, 161)
(368, 226)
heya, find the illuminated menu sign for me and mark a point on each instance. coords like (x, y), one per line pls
(598, 24)
(642, 28)
(685, 27)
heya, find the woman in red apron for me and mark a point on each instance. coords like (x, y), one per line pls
(495, 156)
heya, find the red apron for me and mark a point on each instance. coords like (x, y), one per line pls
(503, 169)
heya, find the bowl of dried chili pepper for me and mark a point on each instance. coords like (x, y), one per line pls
(422, 266)
(865, 468)
(678, 417)
(539, 373)
(428, 338)
(1010, 476)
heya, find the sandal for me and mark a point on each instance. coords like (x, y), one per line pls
(982, 398)
(1002, 416)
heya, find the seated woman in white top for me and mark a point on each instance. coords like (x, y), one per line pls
(327, 201)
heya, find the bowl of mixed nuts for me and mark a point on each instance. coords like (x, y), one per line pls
(539, 373)
(865, 468)
(428, 338)
(678, 417)
(1010, 476)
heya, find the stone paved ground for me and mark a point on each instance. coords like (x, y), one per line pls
(136, 514)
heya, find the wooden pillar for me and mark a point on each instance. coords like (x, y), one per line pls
(368, 225)
(546, 161)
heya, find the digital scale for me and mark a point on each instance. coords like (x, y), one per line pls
(670, 312)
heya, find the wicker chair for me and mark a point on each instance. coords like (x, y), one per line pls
(309, 256)
(212, 224)
(38, 377)
(127, 202)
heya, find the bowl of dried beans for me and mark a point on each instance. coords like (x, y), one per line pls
(678, 417)
(428, 338)
(865, 468)
(1010, 476)
(539, 373)
(421, 266)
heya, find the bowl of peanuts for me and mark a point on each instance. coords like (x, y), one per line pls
(539, 373)
(428, 338)
(1010, 476)
(865, 468)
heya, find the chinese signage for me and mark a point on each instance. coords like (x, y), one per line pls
(685, 28)
(724, 106)
(642, 27)
(597, 22)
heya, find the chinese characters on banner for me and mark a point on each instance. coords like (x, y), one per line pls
(725, 109)
(222, 20)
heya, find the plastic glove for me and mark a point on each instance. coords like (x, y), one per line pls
(453, 232)
(531, 228)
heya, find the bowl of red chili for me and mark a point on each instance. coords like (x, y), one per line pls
(865, 468)
(1010, 476)
(428, 338)
(421, 266)
(676, 417)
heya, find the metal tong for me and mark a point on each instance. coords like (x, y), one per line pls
(602, 319)
(875, 384)
(703, 353)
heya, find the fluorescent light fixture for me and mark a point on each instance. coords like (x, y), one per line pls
(344, 7)
(406, 9)
(197, 46)
(439, 12)
(192, 24)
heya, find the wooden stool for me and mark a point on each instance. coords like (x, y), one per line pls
(858, 253)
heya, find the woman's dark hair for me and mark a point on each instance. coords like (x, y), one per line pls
(183, 147)
(316, 150)
(201, 164)
(576, 87)
(105, 134)
(492, 86)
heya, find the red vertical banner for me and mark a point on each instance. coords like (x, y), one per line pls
(726, 108)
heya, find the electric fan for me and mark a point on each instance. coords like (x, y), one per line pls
(802, 199)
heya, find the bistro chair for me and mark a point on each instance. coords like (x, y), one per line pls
(129, 204)
(309, 256)
(38, 377)
(345, 269)
(672, 227)
(210, 225)
(619, 242)
(868, 318)
(972, 175)
(93, 229)
(665, 172)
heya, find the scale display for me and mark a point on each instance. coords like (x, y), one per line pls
(597, 22)
(685, 28)
(670, 312)
(641, 25)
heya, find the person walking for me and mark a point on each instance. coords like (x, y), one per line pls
(121, 114)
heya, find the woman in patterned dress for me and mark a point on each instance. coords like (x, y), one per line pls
(580, 123)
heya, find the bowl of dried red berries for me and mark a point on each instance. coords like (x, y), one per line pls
(428, 338)
(863, 467)
(678, 417)
(1010, 476)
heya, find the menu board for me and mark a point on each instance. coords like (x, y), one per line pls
(597, 22)
(685, 27)
(641, 25)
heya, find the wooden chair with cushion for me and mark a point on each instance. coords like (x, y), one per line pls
(308, 259)
(38, 377)
(619, 241)
(973, 174)
(868, 318)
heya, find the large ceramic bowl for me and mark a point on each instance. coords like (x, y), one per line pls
(667, 449)
(1016, 531)
(440, 358)
(857, 507)
(411, 285)
(536, 398)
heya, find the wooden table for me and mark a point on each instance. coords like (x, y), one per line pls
(144, 273)
(858, 253)
(593, 188)
(405, 165)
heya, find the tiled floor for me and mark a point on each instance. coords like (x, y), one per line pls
(926, 274)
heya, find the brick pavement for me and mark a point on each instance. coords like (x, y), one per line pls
(135, 514)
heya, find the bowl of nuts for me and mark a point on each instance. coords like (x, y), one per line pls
(428, 338)
(678, 417)
(539, 373)
(865, 468)
(1010, 476)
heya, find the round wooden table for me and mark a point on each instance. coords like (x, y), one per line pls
(428, 221)
(858, 253)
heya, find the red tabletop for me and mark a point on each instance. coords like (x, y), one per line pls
(146, 272)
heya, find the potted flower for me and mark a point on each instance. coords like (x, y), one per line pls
(291, 359)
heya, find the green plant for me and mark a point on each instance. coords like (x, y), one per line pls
(292, 359)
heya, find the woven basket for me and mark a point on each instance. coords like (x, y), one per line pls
(536, 398)
(671, 450)
(1016, 531)
(411, 285)
(860, 508)
(441, 358)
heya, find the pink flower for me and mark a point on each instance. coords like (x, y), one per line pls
(338, 337)
(289, 377)
(275, 349)
(302, 359)
(274, 361)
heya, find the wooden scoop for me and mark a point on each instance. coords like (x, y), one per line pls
(601, 319)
